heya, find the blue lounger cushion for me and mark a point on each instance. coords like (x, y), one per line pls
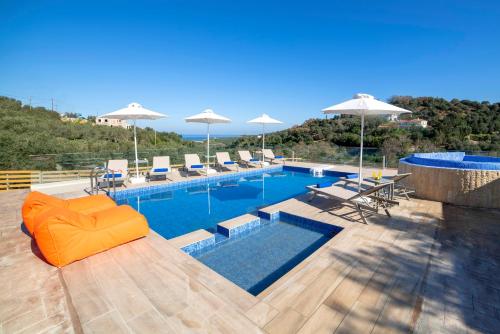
(324, 184)
(160, 170)
(254, 160)
(196, 166)
(351, 176)
(110, 176)
(278, 157)
(229, 162)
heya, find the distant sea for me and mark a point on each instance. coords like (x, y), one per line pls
(204, 137)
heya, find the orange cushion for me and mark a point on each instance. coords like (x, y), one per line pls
(65, 236)
(91, 204)
(37, 202)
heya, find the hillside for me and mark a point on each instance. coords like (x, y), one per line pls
(26, 131)
(453, 125)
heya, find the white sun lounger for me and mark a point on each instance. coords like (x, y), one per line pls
(161, 168)
(224, 161)
(192, 163)
(246, 159)
(397, 187)
(269, 155)
(369, 199)
(116, 173)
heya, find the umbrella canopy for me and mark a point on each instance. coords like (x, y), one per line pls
(362, 105)
(264, 119)
(134, 111)
(208, 117)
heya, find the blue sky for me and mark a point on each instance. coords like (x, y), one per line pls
(287, 59)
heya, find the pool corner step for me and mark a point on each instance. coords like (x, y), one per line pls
(193, 241)
(240, 224)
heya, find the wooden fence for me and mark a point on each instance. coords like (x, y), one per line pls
(19, 179)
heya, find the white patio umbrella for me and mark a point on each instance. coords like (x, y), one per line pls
(134, 111)
(361, 105)
(264, 119)
(208, 117)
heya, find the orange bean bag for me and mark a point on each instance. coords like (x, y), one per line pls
(37, 202)
(65, 236)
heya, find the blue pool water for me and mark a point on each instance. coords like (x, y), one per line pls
(172, 213)
(257, 259)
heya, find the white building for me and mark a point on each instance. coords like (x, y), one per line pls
(392, 118)
(112, 122)
(422, 123)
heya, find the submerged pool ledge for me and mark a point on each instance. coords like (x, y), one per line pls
(200, 240)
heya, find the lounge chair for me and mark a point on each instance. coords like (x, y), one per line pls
(368, 199)
(224, 161)
(192, 163)
(269, 155)
(161, 167)
(397, 187)
(400, 189)
(116, 174)
(247, 159)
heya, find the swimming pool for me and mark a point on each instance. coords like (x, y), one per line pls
(256, 259)
(176, 209)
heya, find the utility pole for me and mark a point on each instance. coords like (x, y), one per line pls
(52, 102)
(30, 102)
(155, 137)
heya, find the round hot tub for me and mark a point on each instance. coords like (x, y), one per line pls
(453, 177)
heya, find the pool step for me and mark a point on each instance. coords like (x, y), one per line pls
(193, 241)
(232, 227)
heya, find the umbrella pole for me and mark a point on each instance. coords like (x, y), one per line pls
(360, 176)
(263, 139)
(135, 145)
(208, 147)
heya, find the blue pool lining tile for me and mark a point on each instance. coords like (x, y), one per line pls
(122, 194)
(271, 216)
(198, 245)
(308, 223)
(231, 232)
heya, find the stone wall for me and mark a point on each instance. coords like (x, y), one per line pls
(477, 188)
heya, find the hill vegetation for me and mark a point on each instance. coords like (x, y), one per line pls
(26, 131)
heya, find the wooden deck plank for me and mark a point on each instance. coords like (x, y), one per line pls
(110, 322)
(287, 321)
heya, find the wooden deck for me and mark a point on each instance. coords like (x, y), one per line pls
(430, 268)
